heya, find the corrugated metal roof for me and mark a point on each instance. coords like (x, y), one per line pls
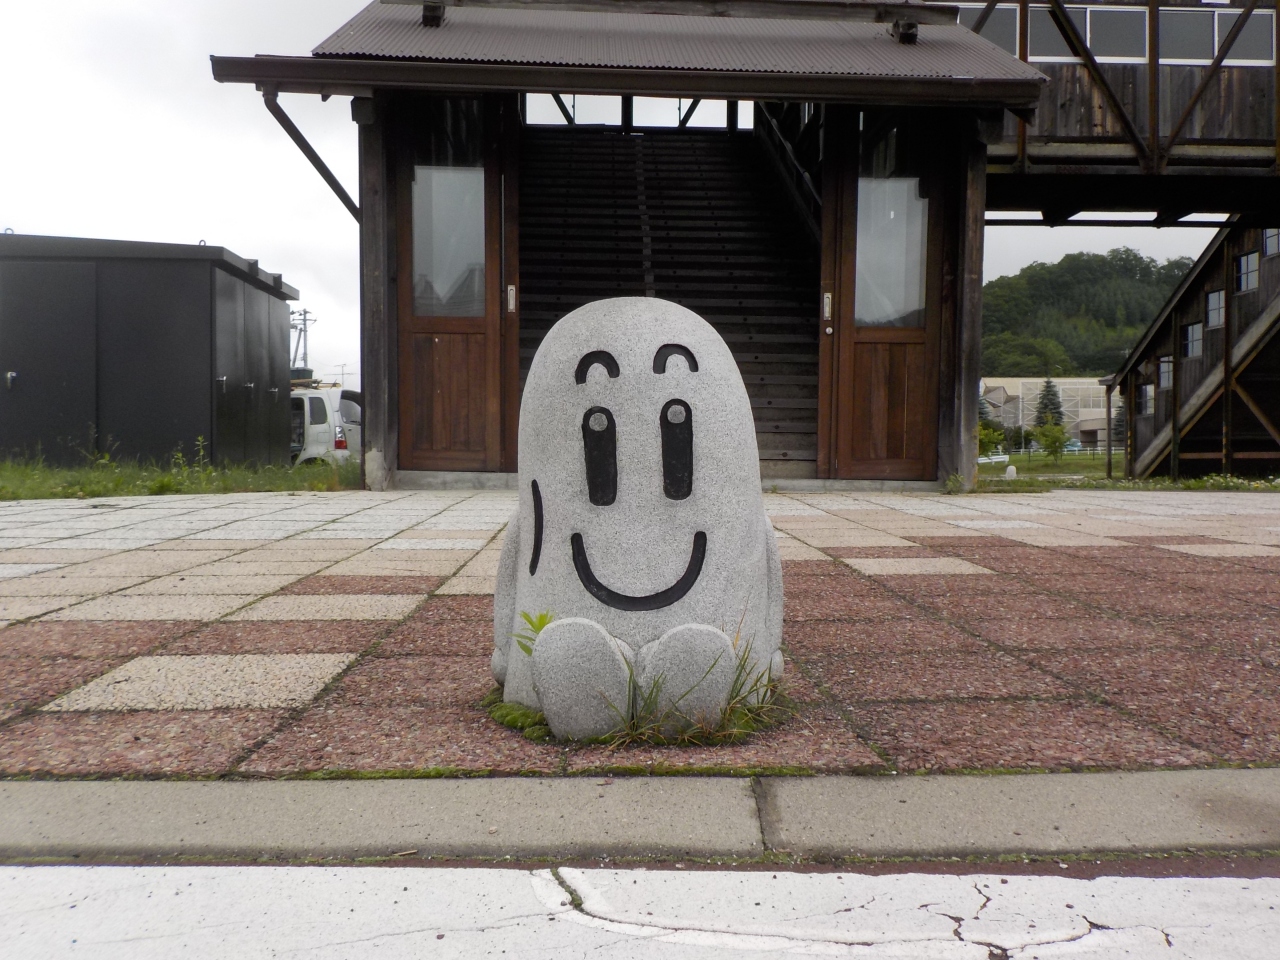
(652, 41)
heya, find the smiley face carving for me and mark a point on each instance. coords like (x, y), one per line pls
(641, 524)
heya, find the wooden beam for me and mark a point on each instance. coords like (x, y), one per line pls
(377, 362)
(1258, 412)
(985, 15)
(969, 309)
(1070, 33)
(688, 114)
(1153, 81)
(1209, 74)
(270, 98)
(1228, 373)
(564, 110)
(1024, 43)
(754, 9)
(1110, 389)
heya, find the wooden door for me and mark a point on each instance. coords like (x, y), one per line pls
(878, 362)
(449, 337)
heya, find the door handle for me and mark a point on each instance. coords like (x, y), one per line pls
(9, 377)
(248, 386)
(275, 393)
(222, 382)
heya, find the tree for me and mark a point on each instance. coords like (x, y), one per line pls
(1049, 406)
(989, 440)
(1052, 439)
(1017, 355)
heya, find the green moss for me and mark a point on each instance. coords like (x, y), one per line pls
(516, 716)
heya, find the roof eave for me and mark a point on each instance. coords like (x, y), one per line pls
(358, 76)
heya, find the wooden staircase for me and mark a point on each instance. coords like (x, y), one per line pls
(698, 218)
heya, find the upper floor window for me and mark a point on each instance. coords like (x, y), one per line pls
(1247, 272)
(1118, 34)
(1215, 309)
(1193, 37)
(1270, 242)
(1193, 340)
(1165, 380)
(1144, 400)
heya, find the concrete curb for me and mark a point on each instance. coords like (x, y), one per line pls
(656, 817)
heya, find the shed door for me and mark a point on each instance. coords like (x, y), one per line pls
(882, 268)
(449, 339)
(48, 360)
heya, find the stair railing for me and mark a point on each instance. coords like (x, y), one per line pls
(795, 178)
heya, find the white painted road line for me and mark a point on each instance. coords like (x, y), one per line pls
(249, 912)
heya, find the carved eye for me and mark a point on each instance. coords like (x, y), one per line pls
(600, 448)
(676, 423)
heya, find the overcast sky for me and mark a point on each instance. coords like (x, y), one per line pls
(113, 127)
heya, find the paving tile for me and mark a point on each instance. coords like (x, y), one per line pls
(30, 681)
(816, 739)
(1216, 630)
(277, 636)
(848, 584)
(1225, 704)
(1224, 549)
(1017, 735)
(839, 606)
(794, 550)
(9, 570)
(96, 744)
(933, 675)
(402, 738)
(50, 555)
(461, 585)
(148, 563)
(55, 586)
(408, 542)
(181, 584)
(323, 584)
(1084, 633)
(439, 637)
(941, 566)
(118, 607)
(1167, 602)
(254, 568)
(208, 682)
(362, 565)
(980, 606)
(330, 607)
(836, 638)
(917, 586)
(20, 608)
(456, 608)
(406, 681)
(823, 567)
(72, 638)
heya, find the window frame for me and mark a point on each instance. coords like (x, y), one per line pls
(1219, 34)
(1088, 33)
(1164, 373)
(1211, 311)
(1144, 400)
(1270, 241)
(1192, 336)
(1248, 267)
(1014, 8)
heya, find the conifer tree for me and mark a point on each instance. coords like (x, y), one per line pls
(1049, 404)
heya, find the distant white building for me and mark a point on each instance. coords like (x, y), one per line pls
(1084, 404)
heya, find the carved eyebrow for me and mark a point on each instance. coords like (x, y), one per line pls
(589, 360)
(669, 350)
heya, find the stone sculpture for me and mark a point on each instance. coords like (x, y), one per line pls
(641, 523)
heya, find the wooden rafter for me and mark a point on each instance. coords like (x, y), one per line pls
(1258, 412)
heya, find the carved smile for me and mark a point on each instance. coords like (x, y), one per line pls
(654, 601)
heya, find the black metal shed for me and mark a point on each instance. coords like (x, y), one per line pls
(140, 350)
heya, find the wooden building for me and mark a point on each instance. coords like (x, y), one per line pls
(1202, 387)
(837, 245)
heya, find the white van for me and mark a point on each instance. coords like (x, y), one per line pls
(324, 424)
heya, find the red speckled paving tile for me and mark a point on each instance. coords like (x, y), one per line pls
(325, 585)
(798, 687)
(444, 638)
(1030, 606)
(1162, 564)
(1244, 583)
(912, 552)
(1226, 704)
(1231, 632)
(456, 608)
(1032, 561)
(1087, 632)
(284, 636)
(949, 546)
(835, 638)
(405, 681)
(32, 681)
(838, 606)
(815, 739)
(1017, 735)
(1096, 585)
(852, 585)
(968, 585)
(102, 638)
(180, 742)
(1166, 602)
(1261, 564)
(937, 675)
(402, 738)
(1157, 540)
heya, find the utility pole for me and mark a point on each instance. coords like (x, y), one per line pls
(300, 320)
(342, 374)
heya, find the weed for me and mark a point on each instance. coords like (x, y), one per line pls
(534, 625)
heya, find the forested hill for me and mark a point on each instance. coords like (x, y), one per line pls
(1077, 317)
